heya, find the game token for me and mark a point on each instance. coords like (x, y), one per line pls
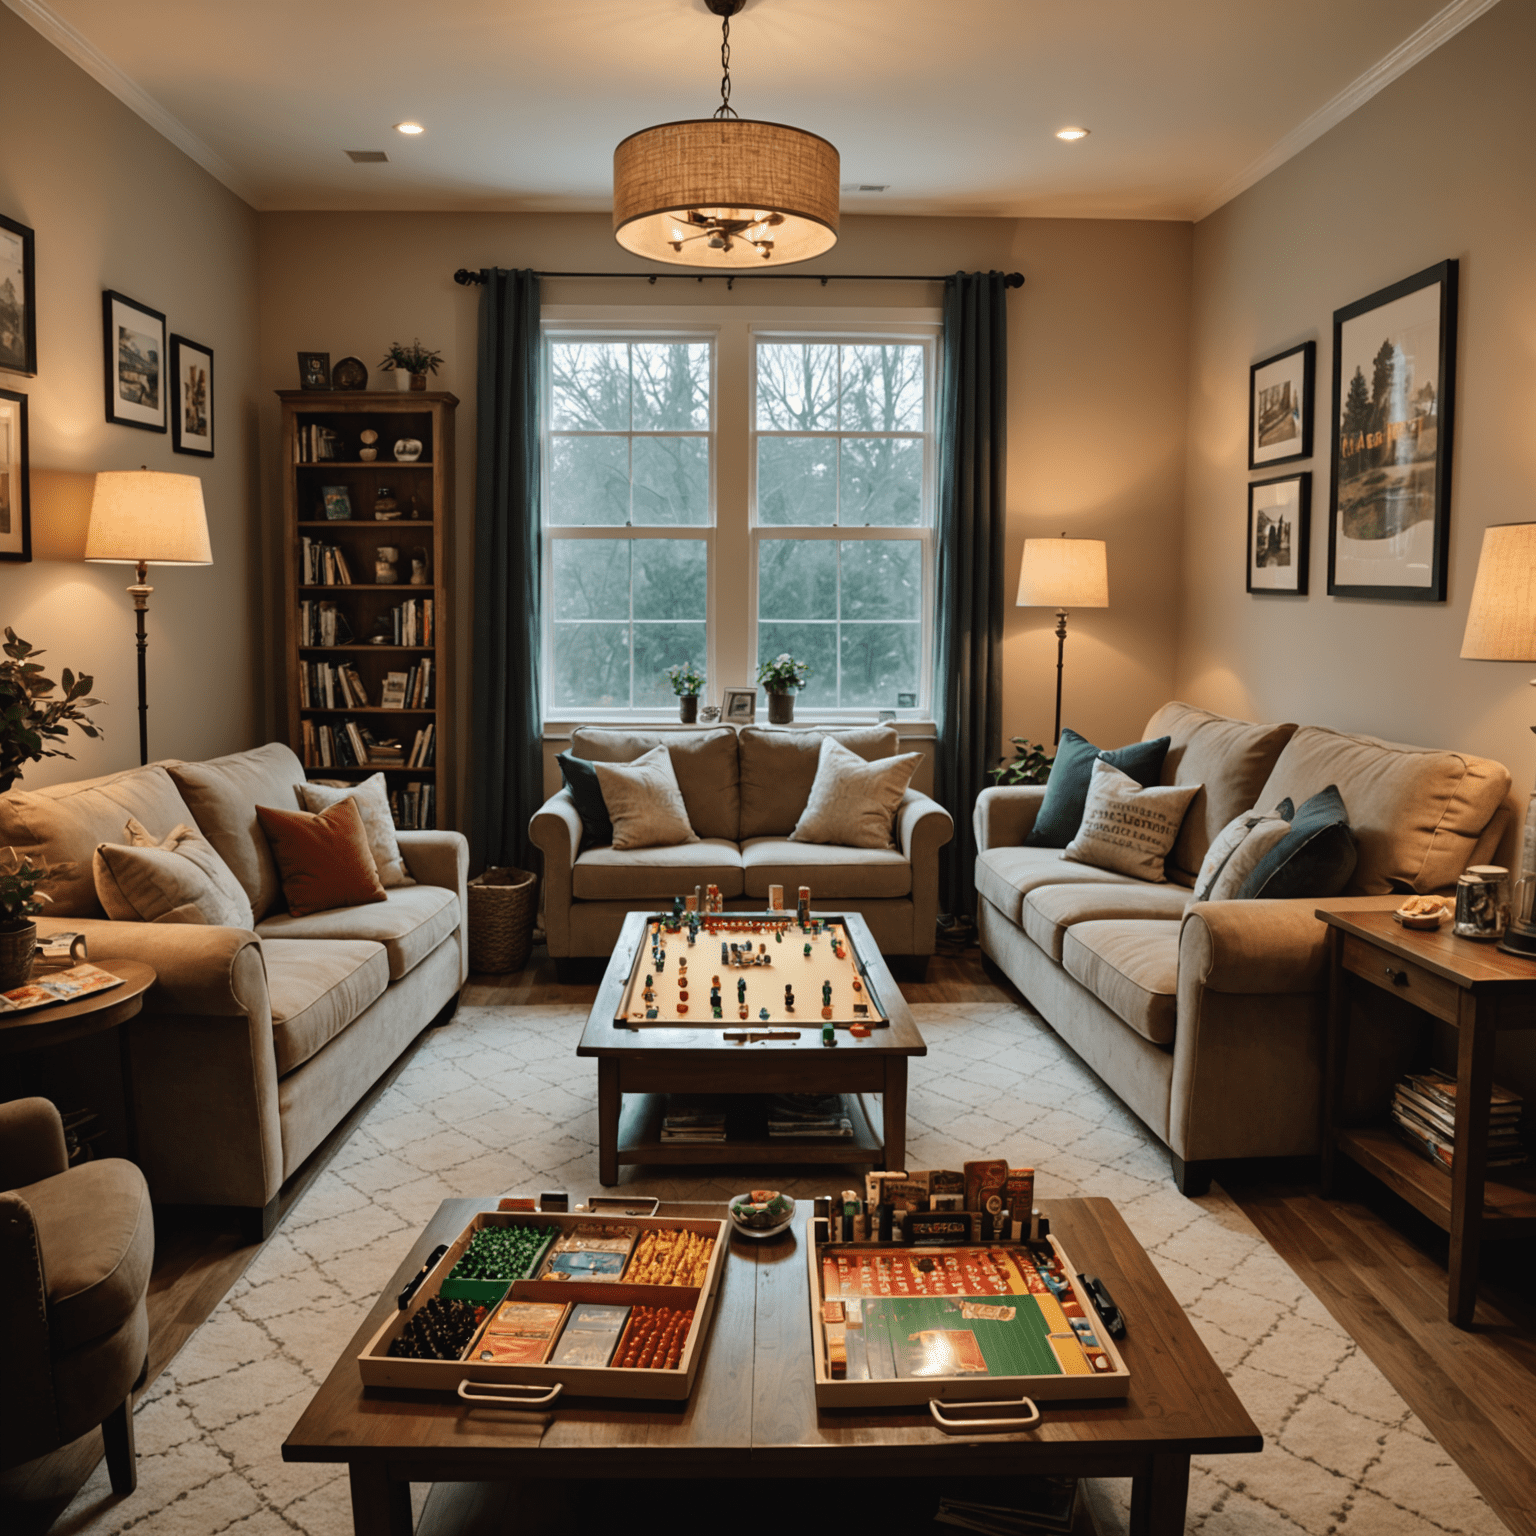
(807, 951)
(682, 1007)
(762, 1013)
(828, 1035)
(742, 1011)
(826, 1013)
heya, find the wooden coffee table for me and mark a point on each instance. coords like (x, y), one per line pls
(648, 1063)
(753, 1415)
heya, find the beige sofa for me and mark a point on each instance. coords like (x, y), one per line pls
(252, 1046)
(1207, 1018)
(744, 793)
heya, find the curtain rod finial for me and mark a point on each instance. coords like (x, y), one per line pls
(1014, 280)
(467, 279)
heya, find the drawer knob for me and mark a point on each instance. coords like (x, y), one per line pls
(1398, 978)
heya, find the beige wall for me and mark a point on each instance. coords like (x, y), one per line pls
(114, 205)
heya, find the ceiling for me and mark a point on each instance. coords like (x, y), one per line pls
(951, 104)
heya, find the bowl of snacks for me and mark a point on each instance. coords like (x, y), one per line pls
(1423, 912)
(761, 1213)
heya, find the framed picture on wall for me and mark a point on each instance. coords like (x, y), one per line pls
(18, 298)
(133, 340)
(1280, 407)
(1389, 505)
(1279, 540)
(15, 491)
(191, 397)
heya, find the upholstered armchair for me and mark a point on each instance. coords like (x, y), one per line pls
(76, 1248)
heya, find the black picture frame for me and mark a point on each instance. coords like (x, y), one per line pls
(18, 311)
(1281, 405)
(1389, 500)
(314, 370)
(1281, 566)
(15, 478)
(135, 363)
(191, 397)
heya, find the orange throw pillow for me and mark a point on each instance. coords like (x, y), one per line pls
(324, 858)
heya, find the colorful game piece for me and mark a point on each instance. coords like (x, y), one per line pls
(762, 1013)
(807, 951)
(826, 994)
(828, 1035)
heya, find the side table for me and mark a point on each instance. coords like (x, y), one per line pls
(1479, 991)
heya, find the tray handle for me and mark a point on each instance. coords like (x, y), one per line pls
(494, 1390)
(984, 1426)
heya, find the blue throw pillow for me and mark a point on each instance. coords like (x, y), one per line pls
(1066, 791)
(1316, 857)
(581, 779)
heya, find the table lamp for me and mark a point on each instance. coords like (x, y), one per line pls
(139, 516)
(1061, 574)
(1501, 626)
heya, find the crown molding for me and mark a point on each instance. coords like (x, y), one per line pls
(105, 73)
(1440, 28)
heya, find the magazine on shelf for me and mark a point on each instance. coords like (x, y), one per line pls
(60, 987)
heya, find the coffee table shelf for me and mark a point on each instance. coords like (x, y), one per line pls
(746, 1136)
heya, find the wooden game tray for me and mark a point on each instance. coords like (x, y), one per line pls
(917, 1391)
(380, 1369)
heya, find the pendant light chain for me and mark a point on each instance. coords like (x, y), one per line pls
(725, 109)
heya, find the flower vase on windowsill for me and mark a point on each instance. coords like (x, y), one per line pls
(686, 680)
(688, 708)
(782, 678)
(781, 708)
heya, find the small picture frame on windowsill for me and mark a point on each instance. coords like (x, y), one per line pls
(738, 706)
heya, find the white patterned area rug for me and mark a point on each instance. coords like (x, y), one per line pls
(497, 1101)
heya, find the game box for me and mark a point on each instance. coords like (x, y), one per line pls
(570, 1322)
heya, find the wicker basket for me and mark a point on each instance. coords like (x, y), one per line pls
(502, 906)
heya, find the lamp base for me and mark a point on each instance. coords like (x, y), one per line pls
(1519, 941)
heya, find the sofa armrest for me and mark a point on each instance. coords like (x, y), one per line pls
(923, 827)
(556, 832)
(28, 1412)
(32, 1145)
(437, 858)
(1005, 815)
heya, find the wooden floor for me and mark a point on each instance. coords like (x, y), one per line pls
(1376, 1266)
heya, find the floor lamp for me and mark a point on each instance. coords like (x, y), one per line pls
(139, 517)
(1061, 574)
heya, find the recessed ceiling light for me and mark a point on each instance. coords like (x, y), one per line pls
(409, 128)
(1071, 134)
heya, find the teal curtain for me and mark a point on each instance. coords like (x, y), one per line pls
(506, 765)
(973, 452)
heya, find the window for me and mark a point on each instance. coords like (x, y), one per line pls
(723, 492)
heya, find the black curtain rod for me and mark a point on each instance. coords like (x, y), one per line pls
(468, 279)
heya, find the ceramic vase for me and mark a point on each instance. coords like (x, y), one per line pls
(17, 949)
(781, 708)
(688, 708)
(418, 381)
(402, 379)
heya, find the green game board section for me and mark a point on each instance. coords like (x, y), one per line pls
(1018, 1348)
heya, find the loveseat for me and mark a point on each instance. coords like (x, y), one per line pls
(744, 793)
(252, 1046)
(1207, 1018)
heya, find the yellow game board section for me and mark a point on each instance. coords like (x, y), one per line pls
(1050, 1310)
(1069, 1354)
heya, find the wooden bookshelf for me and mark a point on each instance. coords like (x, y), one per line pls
(424, 490)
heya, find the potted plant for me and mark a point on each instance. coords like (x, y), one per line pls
(1030, 764)
(20, 900)
(782, 677)
(31, 714)
(686, 680)
(411, 363)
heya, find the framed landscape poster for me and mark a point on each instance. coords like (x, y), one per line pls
(191, 398)
(1279, 541)
(15, 502)
(134, 352)
(1389, 508)
(18, 298)
(1280, 407)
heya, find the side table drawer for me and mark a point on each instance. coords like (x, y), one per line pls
(1402, 978)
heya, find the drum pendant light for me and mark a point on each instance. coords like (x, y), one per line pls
(725, 191)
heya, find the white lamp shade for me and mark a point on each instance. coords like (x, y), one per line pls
(144, 514)
(1064, 573)
(1501, 623)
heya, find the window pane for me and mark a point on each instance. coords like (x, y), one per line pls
(588, 481)
(883, 389)
(796, 386)
(589, 385)
(882, 579)
(797, 481)
(813, 643)
(590, 665)
(671, 578)
(671, 385)
(882, 482)
(796, 579)
(671, 481)
(879, 660)
(657, 647)
(590, 578)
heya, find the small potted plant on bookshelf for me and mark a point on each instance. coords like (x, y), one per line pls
(783, 678)
(32, 715)
(686, 680)
(20, 901)
(411, 365)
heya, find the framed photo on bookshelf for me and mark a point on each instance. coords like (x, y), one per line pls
(15, 490)
(133, 341)
(191, 397)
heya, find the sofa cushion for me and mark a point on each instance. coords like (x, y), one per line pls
(778, 768)
(636, 874)
(1005, 876)
(224, 793)
(323, 857)
(317, 987)
(1231, 758)
(644, 801)
(1132, 967)
(1127, 827)
(371, 798)
(853, 803)
(178, 879)
(65, 823)
(833, 872)
(1416, 812)
(410, 923)
(1050, 910)
(705, 763)
(587, 794)
(1314, 858)
(1237, 850)
(1066, 790)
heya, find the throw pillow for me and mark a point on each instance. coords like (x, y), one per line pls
(852, 802)
(644, 801)
(1127, 827)
(1316, 859)
(1066, 791)
(372, 800)
(179, 879)
(1237, 850)
(323, 859)
(581, 779)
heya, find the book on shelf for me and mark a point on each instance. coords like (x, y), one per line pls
(336, 503)
(323, 565)
(691, 1118)
(1440, 1087)
(1424, 1116)
(808, 1115)
(414, 807)
(423, 752)
(393, 694)
(323, 623)
(413, 622)
(315, 444)
(1035, 1504)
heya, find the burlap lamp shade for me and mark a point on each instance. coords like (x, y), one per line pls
(1501, 622)
(1064, 573)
